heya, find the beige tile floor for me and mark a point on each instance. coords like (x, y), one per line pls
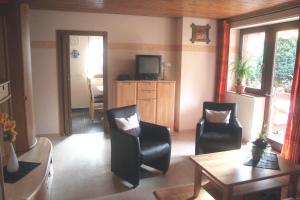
(82, 169)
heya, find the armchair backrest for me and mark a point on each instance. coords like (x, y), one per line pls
(121, 112)
(221, 107)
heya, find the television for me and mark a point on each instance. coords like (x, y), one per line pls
(148, 67)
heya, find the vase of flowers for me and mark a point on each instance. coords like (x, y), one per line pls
(259, 145)
(9, 134)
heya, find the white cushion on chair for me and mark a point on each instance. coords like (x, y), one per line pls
(127, 123)
(214, 116)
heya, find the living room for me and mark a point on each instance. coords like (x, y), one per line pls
(131, 29)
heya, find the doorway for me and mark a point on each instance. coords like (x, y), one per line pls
(284, 64)
(82, 81)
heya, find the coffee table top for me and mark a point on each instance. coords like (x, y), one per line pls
(227, 167)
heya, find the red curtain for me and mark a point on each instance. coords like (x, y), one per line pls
(291, 146)
(222, 59)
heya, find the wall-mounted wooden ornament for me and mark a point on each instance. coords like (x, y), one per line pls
(200, 33)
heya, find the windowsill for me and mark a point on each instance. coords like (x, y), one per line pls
(250, 95)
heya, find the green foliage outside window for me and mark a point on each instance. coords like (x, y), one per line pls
(285, 62)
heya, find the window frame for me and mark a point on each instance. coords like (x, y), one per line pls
(269, 51)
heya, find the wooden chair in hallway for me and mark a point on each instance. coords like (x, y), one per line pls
(96, 101)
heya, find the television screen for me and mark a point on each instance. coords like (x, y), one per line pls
(148, 66)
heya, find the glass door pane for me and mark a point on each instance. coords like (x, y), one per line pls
(253, 52)
(284, 63)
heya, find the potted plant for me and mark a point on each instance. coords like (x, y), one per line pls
(241, 71)
(260, 144)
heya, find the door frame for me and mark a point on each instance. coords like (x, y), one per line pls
(63, 70)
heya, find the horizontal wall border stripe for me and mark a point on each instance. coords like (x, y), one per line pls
(142, 46)
(198, 48)
(43, 44)
(136, 46)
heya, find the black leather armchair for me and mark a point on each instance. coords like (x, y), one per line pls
(150, 145)
(215, 137)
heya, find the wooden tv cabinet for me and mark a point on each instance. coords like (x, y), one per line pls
(155, 100)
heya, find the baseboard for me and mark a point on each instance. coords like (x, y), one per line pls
(185, 131)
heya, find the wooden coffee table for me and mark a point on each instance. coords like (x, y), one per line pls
(225, 170)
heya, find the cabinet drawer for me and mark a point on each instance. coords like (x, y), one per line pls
(146, 94)
(147, 86)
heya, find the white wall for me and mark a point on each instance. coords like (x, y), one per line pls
(127, 36)
(192, 65)
(45, 90)
(197, 73)
(233, 57)
(79, 85)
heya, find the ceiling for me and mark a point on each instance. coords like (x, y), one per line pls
(216, 9)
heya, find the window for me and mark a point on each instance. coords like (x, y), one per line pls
(253, 52)
(271, 51)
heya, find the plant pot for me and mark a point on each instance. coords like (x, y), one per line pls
(13, 163)
(240, 89)
(257, 153)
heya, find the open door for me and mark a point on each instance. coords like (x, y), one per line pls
(78, 80)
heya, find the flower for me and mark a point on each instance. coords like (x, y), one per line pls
(8, 126)
(262, 141)
(3, 118)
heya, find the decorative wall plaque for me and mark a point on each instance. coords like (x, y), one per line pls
(200, 33)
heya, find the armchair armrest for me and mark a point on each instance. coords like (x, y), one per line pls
(155, 132)
(125, 155)
(200, 127)
(237, 130)
(199, 132)
(125, 146)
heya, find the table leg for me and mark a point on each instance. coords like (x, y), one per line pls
(227, 193)
(197, 181)
(292, 189)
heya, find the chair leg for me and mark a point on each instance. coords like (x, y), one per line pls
(93, 115)
(92, 111)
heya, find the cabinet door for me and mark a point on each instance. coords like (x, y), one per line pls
(165, 104)
(126, 93)
(147, 109)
